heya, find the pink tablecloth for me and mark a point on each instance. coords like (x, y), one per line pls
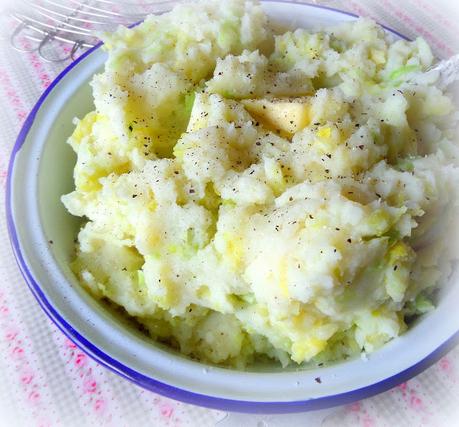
(46, 381)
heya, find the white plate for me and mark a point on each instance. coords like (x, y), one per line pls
(41, 171)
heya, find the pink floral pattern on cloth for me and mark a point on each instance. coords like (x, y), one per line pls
(45, 380)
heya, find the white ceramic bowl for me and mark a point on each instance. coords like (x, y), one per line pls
(40, 172)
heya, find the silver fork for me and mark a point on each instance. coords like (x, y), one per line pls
(74, 23)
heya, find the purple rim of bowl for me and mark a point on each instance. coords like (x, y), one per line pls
(165, 389)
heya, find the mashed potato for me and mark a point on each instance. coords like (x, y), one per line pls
(254, 195)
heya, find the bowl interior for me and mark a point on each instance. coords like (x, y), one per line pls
(43, 171)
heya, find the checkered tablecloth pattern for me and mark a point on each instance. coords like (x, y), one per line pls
(46, 381)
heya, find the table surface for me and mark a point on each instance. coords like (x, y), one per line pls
(46, 381)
